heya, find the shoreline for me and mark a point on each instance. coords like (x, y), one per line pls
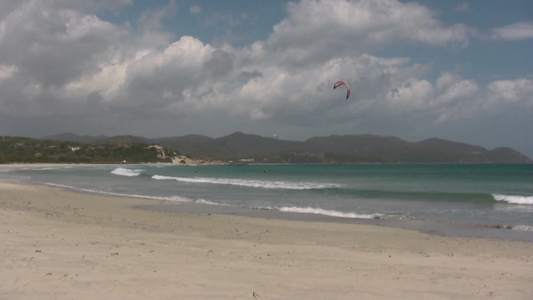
(62, 244)
(495, 231)
(445, 229)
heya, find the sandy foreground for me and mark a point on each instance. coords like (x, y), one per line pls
(57, 244)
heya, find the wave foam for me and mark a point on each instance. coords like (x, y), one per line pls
(50, 168)
(513, 199)
(34, 169)
(523, 228)
(126, 172)
(206, 202)
(171, 198)
(252, 183)
(331, 213)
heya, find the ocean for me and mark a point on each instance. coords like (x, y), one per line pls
(494, 200)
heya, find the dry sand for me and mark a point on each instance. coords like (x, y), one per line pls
(57, 244)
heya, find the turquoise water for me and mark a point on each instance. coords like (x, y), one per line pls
(486, 195)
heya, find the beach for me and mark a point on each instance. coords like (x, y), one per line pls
(59, 244)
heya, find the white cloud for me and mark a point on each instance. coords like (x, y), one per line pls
(413, 94)
(318, 28)
(453, 88)
(150, 30)
(519, 90)
(459, 90)
(6, 72)
(54, 46)
(455, 98)
(514, 32)
(67, 60)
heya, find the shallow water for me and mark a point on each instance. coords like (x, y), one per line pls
(466, 195)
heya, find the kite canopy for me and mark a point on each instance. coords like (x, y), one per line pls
(339, 83)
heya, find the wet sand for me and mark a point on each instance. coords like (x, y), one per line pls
(57, 244)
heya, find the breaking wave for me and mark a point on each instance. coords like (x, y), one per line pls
(523, 227)
(513, 199)
(169, 198)
(252, 183)
(126, 172)
(331, 213)
(206, 202)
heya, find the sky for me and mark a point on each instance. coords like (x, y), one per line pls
(455, 70)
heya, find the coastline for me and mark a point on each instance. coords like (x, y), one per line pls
(438, 227)
(62, 244)
(445, 229)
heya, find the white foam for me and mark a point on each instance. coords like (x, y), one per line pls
(171, 198)
(523, 228)
(35, 169)
(332, 213)
(513, 199)
(126, 172)
(252, 183)
(50, 168)
(206, 202)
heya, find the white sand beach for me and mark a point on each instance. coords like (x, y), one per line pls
(57, 244)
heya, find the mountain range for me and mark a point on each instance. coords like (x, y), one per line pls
(241, 147)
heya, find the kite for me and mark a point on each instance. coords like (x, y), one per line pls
(339, 83)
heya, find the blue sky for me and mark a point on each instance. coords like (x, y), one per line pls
(457, 70)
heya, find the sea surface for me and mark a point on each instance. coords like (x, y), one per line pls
(463, 196)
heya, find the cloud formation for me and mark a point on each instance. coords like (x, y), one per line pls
(514, 32)
(63, 68)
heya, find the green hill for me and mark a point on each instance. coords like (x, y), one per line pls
(28, 150)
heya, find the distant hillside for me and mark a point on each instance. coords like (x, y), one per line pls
(231, 147)
(121, 150)
(332, 149)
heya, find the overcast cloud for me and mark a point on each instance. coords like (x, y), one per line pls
(86, 67)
